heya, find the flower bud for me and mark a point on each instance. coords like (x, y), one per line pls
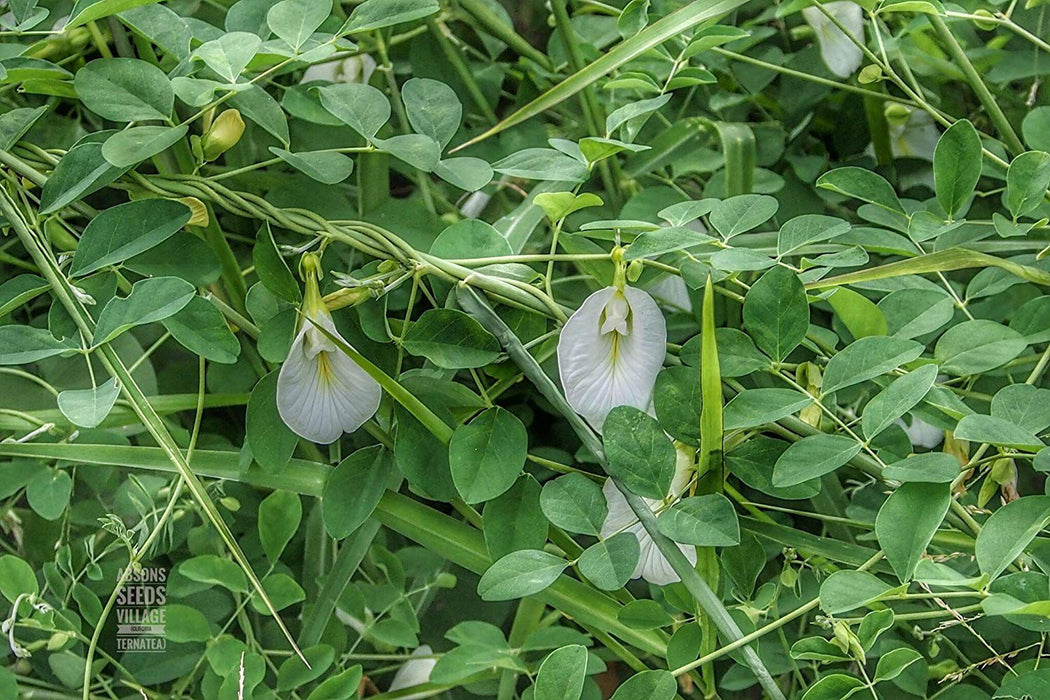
(222, 135)
(199, 212)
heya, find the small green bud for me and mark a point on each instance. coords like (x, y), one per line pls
(222, 135)
(986, 26)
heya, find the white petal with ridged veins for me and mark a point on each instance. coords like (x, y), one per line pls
(610, 352)
(841, 55)
(322, 393)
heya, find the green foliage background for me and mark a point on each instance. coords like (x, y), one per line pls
(849, 261)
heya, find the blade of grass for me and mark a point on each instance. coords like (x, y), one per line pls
(652, 36)
(697, 587)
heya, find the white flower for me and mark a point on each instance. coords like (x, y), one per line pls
(841, 55)
(356, 69)
(610, 352)
(322, 393)
(922, 434)
(652, 565)
(414, 672)
(912, 132)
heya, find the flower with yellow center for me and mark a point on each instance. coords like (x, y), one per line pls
(610, 352)
(321, 392)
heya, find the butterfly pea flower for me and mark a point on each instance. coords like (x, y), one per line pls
(415, 671)
(610, 352)
(652, 565)
(355, 69)
(841, 55)
(321, 392)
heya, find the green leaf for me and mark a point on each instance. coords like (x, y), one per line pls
(470, 238)
(487, 455)
(742, 213)
(520, 574)
(20, 345)
(279, 516)
(858, 313)
(229, 54)
(806, 229)
(813, 456)
(16, 578)
(1024, 405)
(843, 591)
(862, 184)
(293, 673)
(470, 174)
(648, 685)
(340, 686)
(514, 521)
(1009, 531)
(377, 14)
(973, 347)
(776, 313)
(677, 400)
(417, 150)
(644, 614)
(907, 521)
(16, 122)
(48, 493)
(866, 359)
(956, 166)
(834, 686)
(894, 662)
(18, 290)
(126, 230)
(87, 408)
(640, 455)
(125, 89)
(272, 269)
(902, 395)
(542, 164)
(85, 11)
(215, 570)
(295, 21)
(149, 301)
(754, 407)
(558, 205)
(650, 244)
(130, 147)
(451, 339)
(326, 167)
(1027, 179)
(202, 329)
(930, 467)
(360, 106)
(185, 624)
(353, 490)
(432, 108)
(997, 431)
(81, 171)
(260, 107)
(561, 675)
(574, 503)
(609, 563)
(271, 441)
(702, 521)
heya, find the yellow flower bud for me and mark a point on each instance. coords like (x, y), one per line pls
(199, 212)
(223, 134)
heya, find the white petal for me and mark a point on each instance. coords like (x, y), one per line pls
(652, 564)
(414, 672)
(355, 69)
(323, 393)
(922, 434)
(917, 138)
(671, 291)
(838, 50)
(601, 370)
